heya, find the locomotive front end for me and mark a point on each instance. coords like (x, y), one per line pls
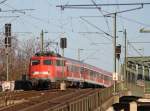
(41, 71)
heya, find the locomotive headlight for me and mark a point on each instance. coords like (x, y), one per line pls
(44, 72)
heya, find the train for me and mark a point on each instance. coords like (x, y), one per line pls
(48, 70)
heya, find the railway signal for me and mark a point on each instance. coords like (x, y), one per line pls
(8, 35)
(7, 45)
(63, 44)
(118, 51)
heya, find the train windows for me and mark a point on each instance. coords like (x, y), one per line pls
(86, 71)
(47, 62)
(82, 70)
(35, 62)
(73, 68)
(76, 69)
(106, 78)
(91, 73)
(60, 63)
(95, 74)
(100, 75)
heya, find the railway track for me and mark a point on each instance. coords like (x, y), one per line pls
(47, 100)
(9, 98)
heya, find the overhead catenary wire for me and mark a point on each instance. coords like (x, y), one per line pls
(3, 1)
(135, 21)
(29, 23)
(125, 18)
(140, 42)
(31, 16)
(14, 18)
(99, 9)
(87, 30)
(28, 15)
(98, 28)
(87, 57)
(93, 53)
(134, 49)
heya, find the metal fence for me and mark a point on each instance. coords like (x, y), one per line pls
(147, 87)
(6, 98)
(92, 102)
(95, 101)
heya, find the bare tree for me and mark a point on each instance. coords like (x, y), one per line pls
(20, 53)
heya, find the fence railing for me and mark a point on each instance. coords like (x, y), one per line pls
(6, 98)
(96, 100)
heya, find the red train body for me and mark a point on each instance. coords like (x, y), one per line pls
(55, 68)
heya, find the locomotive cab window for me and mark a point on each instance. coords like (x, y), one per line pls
(82, 70)
(47, 62)
(35, 62)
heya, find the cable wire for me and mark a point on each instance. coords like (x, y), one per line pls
(98, 28)
(105, 18)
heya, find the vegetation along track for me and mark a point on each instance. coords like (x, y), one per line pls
(48, 100)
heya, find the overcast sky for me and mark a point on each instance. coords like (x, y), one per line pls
(82, 30)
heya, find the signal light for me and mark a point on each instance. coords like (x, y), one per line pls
(7, 35)
(8, 41)
(63, 43)
(7, 30)
(118, 51)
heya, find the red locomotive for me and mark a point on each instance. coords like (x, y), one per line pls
(46, 70)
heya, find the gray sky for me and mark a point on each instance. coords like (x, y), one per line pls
(81, 31)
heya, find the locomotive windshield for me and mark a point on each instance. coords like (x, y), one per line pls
(47, 62)
(35, 62)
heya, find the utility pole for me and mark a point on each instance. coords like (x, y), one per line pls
(63, 45)
(125, 52)
(79, 54)
(80, 70)
(79, 51)
(114, 48)
(42, 41)
(7, 65)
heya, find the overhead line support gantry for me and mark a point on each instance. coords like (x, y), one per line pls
(114, 14)
(92, 6)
